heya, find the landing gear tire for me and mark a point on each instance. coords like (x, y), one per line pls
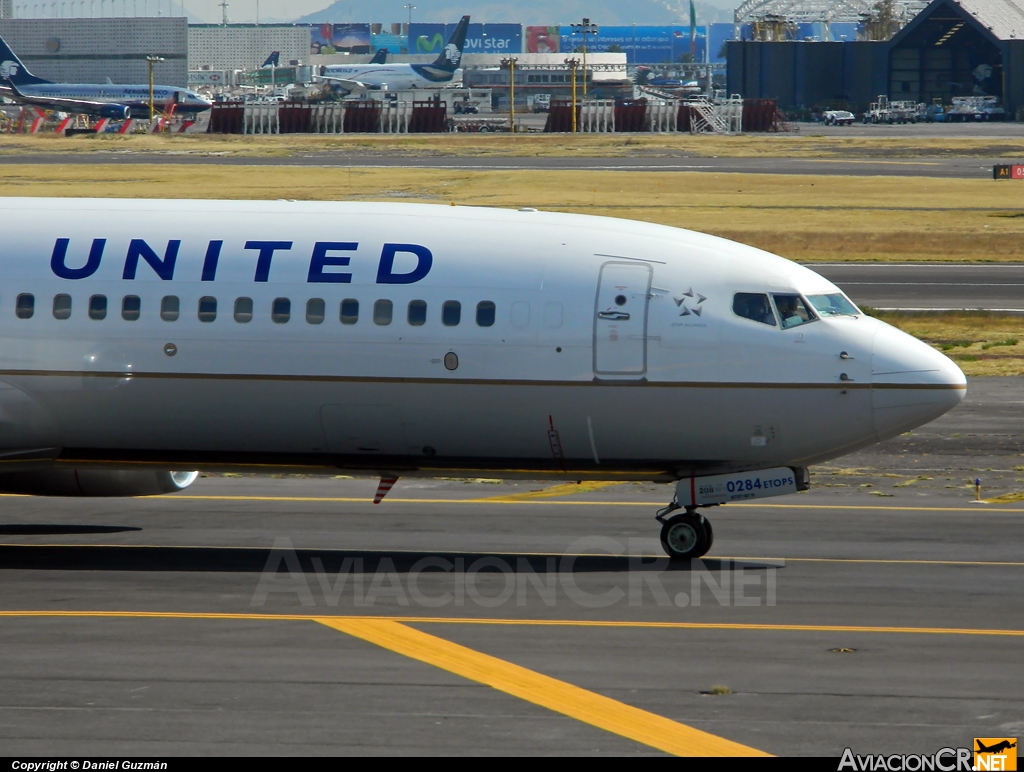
(686, 536)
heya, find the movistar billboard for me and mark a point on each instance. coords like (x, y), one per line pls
(640, 44)
(480, 38)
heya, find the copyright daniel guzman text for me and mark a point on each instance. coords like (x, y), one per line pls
(88, 764)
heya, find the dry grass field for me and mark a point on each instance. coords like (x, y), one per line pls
(980, 343)
(794, 145)
(802, 217)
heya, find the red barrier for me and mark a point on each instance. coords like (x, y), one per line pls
(226, 118)
(295, 118)
(560, 116)
(763, 115)
(428, 117)
(630, 115)
(362, 117)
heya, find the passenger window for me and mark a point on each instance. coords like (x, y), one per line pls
(793, 311)
(382, 310)
(553, 315)
(753, 306)
(131, 308)
(169, 308)
(349, 311)
(281, 310)
(243, 310)
(485, 313)
(62, 306)
(26, 306)
(451, 313)
(315, 310)
(98, 307)
(417, 313)
(207, 308)
(520, 314)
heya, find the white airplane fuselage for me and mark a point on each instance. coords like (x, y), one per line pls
(584, 347)
(133, 97)
(396, 77)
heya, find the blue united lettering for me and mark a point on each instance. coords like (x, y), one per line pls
(329, 263)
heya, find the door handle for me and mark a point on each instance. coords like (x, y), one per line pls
(618, 316)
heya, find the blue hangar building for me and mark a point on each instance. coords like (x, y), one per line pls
(952, 48)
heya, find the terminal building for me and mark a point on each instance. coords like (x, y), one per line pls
(245, 46)
(92, 50)
(952, 48)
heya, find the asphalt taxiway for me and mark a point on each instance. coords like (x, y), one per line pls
(930, 287)
(937, 166)
(880, 611)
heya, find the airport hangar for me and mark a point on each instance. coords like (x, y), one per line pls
(951, 48)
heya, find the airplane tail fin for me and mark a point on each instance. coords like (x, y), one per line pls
(381, 57)
(451, 56)
(274, 60)
(12, 69)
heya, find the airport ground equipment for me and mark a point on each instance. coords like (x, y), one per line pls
(890, 111)
(976, 108)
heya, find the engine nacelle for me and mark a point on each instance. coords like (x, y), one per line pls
(115, 111)
(96, 482)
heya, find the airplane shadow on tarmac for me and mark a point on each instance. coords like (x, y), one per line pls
(256, 560)
(52, 529)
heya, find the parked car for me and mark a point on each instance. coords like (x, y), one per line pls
(837, 118)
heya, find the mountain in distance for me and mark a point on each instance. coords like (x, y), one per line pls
(528, 12)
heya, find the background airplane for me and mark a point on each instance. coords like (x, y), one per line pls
(398, 77)
(105, 100)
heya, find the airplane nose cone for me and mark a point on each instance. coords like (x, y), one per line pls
(912, 383)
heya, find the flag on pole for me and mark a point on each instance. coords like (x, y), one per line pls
(693, 30)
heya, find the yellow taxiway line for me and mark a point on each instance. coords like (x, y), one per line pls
(512, 622)
(558, 696)
(511, 500)
(561, 697)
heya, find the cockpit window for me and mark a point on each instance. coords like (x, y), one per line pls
(753, 305)
(835, 304)
(793, 311)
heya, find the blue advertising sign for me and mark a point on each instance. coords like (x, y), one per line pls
(480, 38)
(720, 33)
(335, 38)
(395, 44)
(641, 44)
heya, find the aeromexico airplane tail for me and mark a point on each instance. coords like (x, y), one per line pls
(274, 60)
(381, 57)
(12, 69)
(451, 55)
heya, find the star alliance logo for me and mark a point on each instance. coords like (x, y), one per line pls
(689, 297)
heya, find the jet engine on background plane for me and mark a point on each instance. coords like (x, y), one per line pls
(96, 482)
(117, 112)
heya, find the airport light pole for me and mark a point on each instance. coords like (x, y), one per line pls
(151, 60)
(510, 64)
(572, 62)
(410, 8)
(586, 28)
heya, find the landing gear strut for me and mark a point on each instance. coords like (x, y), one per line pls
(687, 535)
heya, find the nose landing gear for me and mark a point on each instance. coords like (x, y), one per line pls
(687, 535)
